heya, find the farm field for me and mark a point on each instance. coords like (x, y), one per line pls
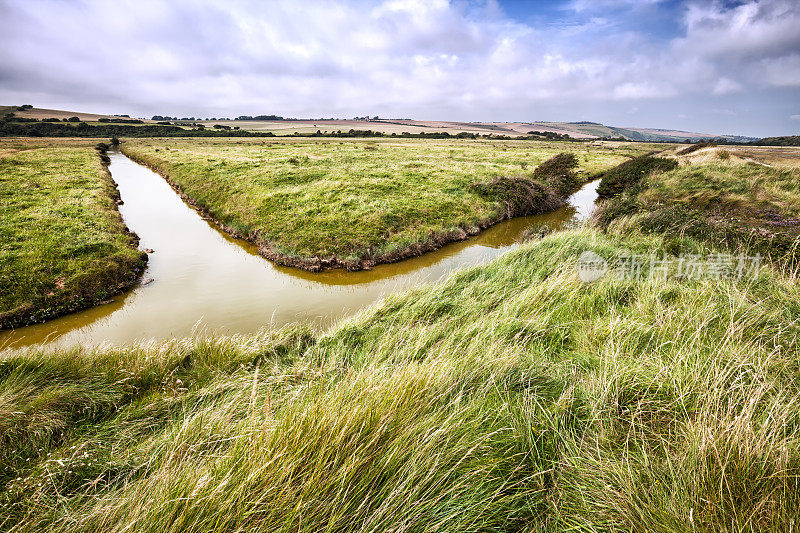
(385, 126)
(328, 203)
(64, 244)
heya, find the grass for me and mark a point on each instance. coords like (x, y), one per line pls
(329, 203)
(64, 244)
(629, 173)
(722, 197)
(509, 397)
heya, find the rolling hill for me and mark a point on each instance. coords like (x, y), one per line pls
(577, 130)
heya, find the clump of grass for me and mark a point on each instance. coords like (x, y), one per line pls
(695, 147)
(615, 180)
(558, 173)
(519, 196)
(102, 151)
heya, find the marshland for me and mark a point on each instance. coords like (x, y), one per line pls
(508, 394)
(367, 266)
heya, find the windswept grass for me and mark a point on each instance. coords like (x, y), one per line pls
(719, 199)
(509, 397)
(63, 244)
(329, 203)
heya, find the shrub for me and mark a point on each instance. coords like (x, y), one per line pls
(615, 180)
(559, 174)
(519, 196)
(73, 119)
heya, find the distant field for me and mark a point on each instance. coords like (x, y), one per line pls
(389, 126)
(576, 130)
(40, 113)
(63, 244)
(350, 203)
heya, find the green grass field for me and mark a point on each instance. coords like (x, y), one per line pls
(313, 203)
(509, 397)
(720, 197)
(63, 245)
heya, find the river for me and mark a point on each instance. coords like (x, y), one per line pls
(206, 282)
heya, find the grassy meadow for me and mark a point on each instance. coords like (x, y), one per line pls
(64, 244)
(510, 397)
(328, 203)
(719, 195)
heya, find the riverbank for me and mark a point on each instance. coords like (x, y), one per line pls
(208, 283)
(317, 205)
(65, 246)
(510, 396)
(741, 199)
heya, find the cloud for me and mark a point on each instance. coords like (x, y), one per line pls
(396, 58)
(726, 86)
(794, 117)
(758, 40)
(750, 30)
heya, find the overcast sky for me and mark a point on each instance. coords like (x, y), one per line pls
(711, 67)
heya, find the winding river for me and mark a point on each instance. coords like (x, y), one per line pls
(206, 282)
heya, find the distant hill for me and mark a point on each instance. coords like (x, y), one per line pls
(576, 130)
(40, 113)
(652, 134)
(791, 140)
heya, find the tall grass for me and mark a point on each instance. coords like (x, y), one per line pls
(729, 203)
(509, 397)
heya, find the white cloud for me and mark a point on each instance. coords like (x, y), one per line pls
(757, 41)
(726, 86)
(400, 57)
(753, 29)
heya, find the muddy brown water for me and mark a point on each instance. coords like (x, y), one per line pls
(206, 282)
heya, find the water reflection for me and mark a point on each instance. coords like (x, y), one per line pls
(206, 280)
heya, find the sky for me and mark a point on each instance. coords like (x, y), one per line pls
(704, 66)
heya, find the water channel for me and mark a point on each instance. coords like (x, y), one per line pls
(206, 282)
